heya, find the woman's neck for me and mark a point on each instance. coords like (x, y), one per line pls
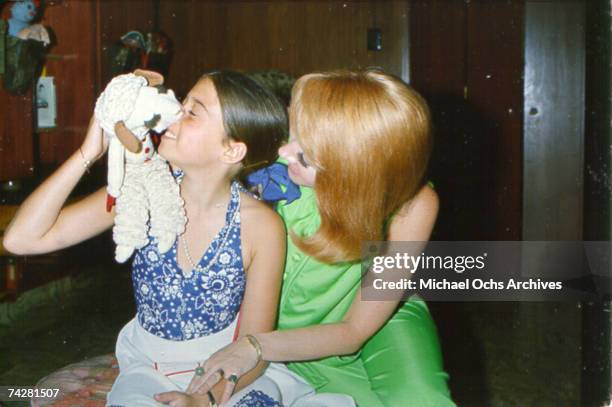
(205, 192)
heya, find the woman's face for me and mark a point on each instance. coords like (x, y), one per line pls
(198, 138)
(301, 171)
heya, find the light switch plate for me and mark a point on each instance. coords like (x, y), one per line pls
(46, 103)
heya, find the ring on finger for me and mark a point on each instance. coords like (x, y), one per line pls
(232, 378)
(199, 371)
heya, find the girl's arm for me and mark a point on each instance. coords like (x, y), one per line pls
(264, 230)
(42, 225)
(364, 318)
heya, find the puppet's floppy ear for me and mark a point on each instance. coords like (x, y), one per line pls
(153, 78)
(127, 138)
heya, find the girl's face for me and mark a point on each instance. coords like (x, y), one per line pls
(301, 171)
(198, 139)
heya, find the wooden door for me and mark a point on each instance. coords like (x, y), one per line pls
(467, 60)
(16, 136)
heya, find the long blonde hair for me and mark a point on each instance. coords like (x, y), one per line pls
(369, 136)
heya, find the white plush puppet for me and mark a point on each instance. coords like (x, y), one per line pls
(138, 178)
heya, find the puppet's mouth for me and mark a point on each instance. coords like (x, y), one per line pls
(169, 134)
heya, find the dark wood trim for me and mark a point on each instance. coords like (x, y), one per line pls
(554, 120)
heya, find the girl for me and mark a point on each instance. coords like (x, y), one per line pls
(229, 258)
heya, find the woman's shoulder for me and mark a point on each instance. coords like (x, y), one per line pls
(426, 197)
(416, 217)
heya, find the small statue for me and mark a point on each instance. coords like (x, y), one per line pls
(23, 46)
(23, 12)
(135, 50)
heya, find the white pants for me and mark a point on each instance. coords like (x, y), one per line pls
(150, 365)
(296, 392)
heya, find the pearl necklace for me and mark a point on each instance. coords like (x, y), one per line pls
(187, 254)
(221, 245)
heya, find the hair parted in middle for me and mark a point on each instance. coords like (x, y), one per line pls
(368, 134)
(251, 114)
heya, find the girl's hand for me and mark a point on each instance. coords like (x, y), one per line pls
(178, 399)
(96, 143)
(235, 359)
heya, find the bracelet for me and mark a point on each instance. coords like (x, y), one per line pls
(211, 398)
(86, 163)
(255, 343)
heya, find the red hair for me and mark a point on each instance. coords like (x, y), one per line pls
(369, 136)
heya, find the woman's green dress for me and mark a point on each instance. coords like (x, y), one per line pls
(400, 366)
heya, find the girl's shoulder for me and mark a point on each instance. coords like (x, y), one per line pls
(258, 217)
(261, 228)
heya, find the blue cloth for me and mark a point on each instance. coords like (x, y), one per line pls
(257, 398)
(178, 305)
(271, 180)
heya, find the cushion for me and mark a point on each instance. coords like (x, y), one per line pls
(82, 384)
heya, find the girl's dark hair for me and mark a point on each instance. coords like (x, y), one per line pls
(251, 115)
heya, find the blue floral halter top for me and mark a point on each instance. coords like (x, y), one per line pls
(178, 305)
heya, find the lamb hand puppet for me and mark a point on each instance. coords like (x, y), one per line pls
(140, 182)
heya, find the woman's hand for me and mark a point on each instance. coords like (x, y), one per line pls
(235, 359)
(178, 399)
(96, 143)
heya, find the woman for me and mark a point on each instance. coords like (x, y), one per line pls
(229, 258)
(360, 148)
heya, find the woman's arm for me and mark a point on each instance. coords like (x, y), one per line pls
(41, 225)
(265, 233)
(364, 318)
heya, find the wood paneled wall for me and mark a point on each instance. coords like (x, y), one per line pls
(554, 121)
(71, 61)
(16, 143)
(83, 30)
(16, 149)
(295, 37)
(494, 83)
(114, 19)
(291, 36)
(467, 60)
